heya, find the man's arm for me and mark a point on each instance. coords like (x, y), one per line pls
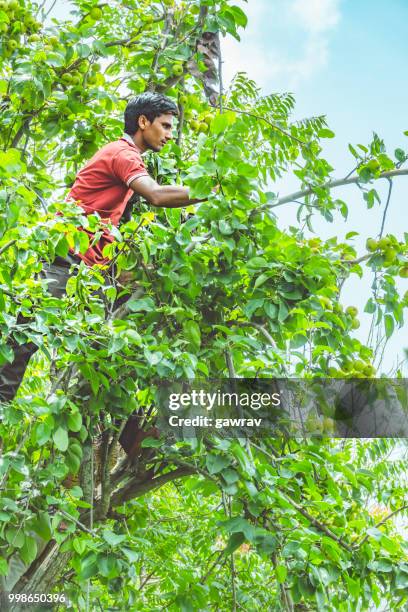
(167, 196)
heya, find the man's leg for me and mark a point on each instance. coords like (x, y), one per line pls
(12, 374)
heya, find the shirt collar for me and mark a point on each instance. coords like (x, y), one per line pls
(129, 139)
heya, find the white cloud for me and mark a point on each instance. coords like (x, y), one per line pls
(283, 63)
(316, 15)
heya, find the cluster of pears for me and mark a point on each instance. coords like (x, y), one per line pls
(356, 368)
(319, 425)
(20, 22)
(389, 248)
(76, 77)
(352, 312)
(201, 123)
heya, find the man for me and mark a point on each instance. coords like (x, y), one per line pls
(105, 186)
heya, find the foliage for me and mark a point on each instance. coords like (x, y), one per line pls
(218, 290)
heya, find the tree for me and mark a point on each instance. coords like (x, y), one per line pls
(218, 291)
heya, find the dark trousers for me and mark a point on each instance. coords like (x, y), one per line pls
(12, 374)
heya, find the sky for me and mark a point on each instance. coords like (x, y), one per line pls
(345, 60)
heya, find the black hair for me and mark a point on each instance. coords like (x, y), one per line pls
(149, 104)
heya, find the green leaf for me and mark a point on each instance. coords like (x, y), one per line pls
(79, 545)
(192, 332)
(298, 341)
(266, 544)
(370, 307)
(42, 526)
(271, 310)
(151, 442)
(240, 525)
(43, 432)
(28, 552)
(216, 463)
(283, 312)
(113, 539)
(234, 542)
(4, 568)
(137, 305)
(74, 421)
(60, 437)
(281, 573)
(6, 354)
(389, 325)
(219, 124)
(325, 133)
(230, 476)
(257, 262)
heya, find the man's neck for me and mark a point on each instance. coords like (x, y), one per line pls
(137, 139)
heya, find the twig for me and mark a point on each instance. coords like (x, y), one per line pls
(80, 525)
(386, 207)
(230, 364)
(273, 125)
(212, 568)
(7, 245)
(220, 79)
(358, 545)
(257, 326)
(193, 245)
(316, 523)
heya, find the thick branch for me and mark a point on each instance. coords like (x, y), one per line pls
(332, 184)
(136, 489)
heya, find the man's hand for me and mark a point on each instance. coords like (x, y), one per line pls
(167, 196)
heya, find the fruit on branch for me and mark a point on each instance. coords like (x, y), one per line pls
(203, 127)
(183, 99)
(384, 243)
(371, 245)
(12, 45)
(96, 13)
(404, 271)
(359, 366)
(390, 255)
(352, 311)
(355, 324)
(369, 371)
(326, 302)
(177, 69)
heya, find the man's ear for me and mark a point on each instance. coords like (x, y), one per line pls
(143, 122)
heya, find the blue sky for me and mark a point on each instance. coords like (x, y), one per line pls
(345, 60)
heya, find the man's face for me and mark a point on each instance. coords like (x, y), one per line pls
(158, 132)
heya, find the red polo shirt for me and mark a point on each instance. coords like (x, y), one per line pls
(102, 186)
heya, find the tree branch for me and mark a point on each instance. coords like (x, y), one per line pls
(332, 184)
(136, 488)
(272, 125)
(386, 208)
(359, 544)
(316, 523)
(7, 245)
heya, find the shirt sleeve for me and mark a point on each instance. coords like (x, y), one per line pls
(128, 165)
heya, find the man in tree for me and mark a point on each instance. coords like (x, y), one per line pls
(105, 186)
